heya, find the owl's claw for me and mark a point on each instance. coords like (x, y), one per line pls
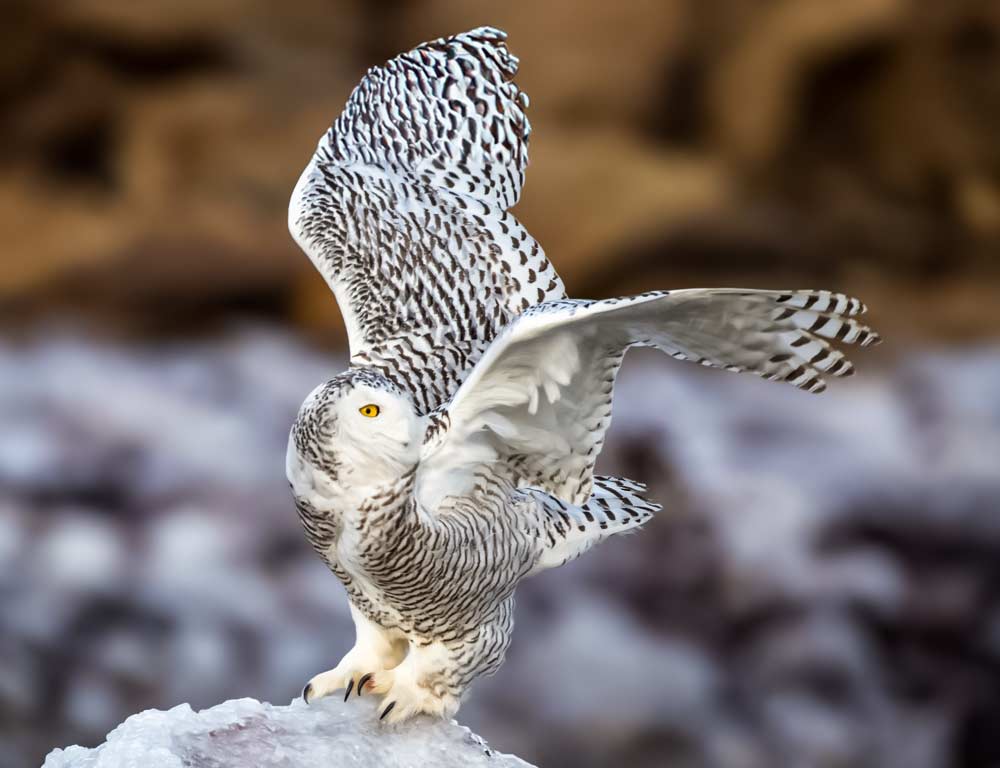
(350, 687)
(387, 710)
(361, 683)
(307, 692)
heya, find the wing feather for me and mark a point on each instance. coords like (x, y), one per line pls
(404, 211)
(538, 403)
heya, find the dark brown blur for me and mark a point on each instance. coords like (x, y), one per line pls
(148, 149)
(158, 329)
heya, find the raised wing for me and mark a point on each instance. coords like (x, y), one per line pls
(536, 407)
(403, 210)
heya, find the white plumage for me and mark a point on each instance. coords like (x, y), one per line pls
(456, 455)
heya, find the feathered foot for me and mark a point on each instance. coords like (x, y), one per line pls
(375, 649)
(404, 696)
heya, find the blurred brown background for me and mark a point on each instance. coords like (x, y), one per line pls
(148, 149)
(159, 328)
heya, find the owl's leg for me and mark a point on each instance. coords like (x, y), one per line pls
(434, 675)
(374, 649)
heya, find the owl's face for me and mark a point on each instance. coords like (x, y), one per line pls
(354, 433)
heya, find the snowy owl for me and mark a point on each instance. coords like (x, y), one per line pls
(456, 455)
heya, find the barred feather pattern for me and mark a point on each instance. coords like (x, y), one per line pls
(447, 113)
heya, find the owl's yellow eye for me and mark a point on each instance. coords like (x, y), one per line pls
(371, 410)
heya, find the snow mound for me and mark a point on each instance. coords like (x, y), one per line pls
(245, 732)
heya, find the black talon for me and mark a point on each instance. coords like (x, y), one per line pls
(350, 687)
(307, 692)
(387, 710)
(361, 683)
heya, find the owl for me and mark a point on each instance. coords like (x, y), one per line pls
(456, 454)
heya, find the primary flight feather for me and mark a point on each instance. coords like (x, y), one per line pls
(455, 456)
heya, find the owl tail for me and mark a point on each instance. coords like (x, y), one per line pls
(616, 505)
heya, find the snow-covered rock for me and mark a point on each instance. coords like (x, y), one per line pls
(246, 732)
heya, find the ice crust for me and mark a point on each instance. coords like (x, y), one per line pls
(245, 732)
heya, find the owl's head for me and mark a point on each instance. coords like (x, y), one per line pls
(356, 432)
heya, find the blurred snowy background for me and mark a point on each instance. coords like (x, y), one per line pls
(823, 586)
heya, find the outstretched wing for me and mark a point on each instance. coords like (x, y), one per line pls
(536, 407)
(403, 209)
